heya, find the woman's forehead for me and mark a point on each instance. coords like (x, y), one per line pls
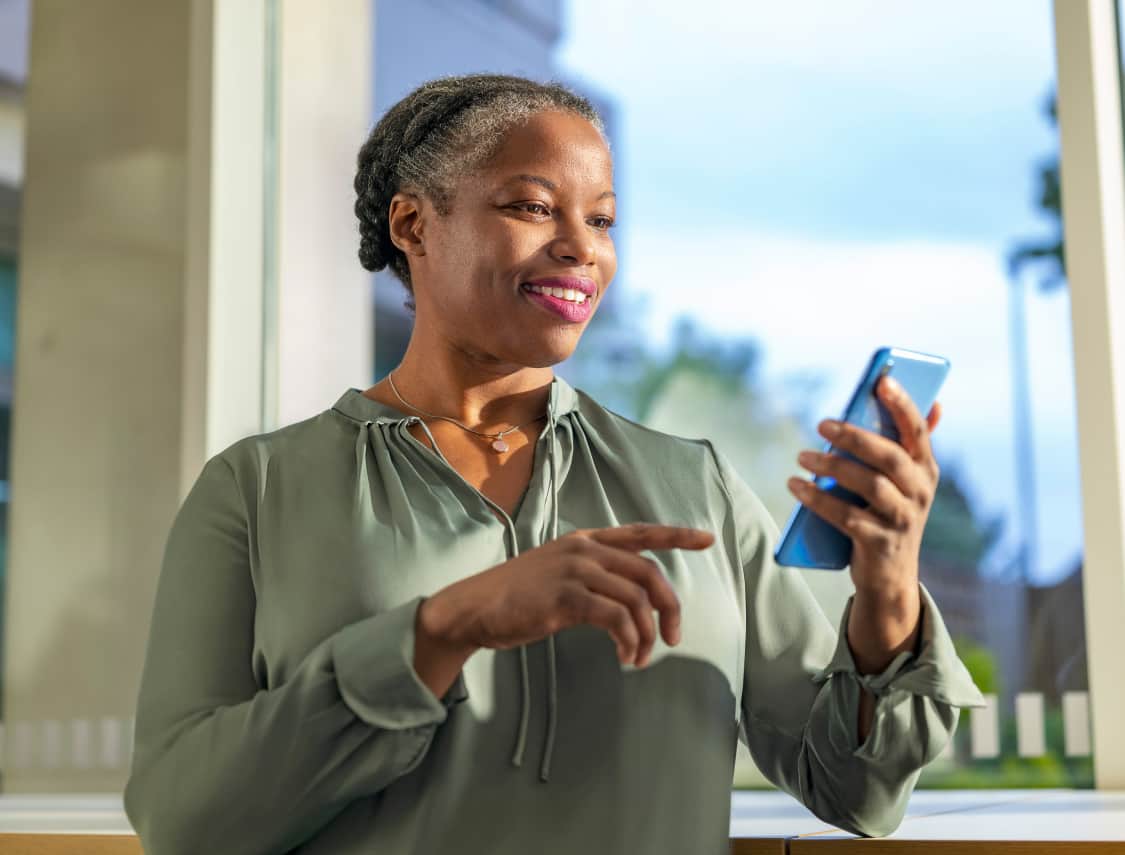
(551, 142)
(520, 178)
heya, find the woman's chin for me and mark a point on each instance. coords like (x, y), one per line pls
(549, 354)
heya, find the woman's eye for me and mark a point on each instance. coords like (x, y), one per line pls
(603, 223)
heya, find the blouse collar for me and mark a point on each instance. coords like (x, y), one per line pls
(354, 404)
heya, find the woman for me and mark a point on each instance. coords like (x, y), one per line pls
(391, 627)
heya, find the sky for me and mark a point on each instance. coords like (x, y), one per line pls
(829, 178)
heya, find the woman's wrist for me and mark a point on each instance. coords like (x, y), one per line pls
(437, 659)
(438, 619)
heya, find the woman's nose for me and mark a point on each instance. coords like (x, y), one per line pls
(574, 243)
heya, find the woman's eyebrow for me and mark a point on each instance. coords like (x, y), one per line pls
(550, 185)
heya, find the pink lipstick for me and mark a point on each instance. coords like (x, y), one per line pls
(565, 309)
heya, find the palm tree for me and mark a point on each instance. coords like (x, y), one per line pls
(1045, 255)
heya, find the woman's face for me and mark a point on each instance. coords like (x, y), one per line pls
(540, 208)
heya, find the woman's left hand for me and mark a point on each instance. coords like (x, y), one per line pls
(899, 489)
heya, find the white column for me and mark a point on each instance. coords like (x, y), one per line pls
(324, 340)
(222, 368)
(1093, 205)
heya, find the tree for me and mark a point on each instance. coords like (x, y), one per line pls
(954, 535)
(1048, 253)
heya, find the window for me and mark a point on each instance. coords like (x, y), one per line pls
(797, 191)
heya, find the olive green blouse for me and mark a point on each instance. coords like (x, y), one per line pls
(279, 709)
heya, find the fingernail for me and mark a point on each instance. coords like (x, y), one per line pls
(892, 386)
(830, 428)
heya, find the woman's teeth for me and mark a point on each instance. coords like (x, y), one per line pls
(567, 294)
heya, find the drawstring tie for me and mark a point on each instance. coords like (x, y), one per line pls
(552, 671)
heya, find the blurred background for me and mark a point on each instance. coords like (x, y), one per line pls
(178, 269)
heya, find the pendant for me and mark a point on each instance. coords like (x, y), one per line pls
(500, 445)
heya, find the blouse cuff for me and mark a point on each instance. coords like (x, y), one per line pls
(374, 661)
(935, 671)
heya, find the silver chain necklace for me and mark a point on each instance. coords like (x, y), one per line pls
(497, 438)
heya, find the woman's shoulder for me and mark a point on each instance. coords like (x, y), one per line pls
(310, 442)
(630, 435)
(694, 466)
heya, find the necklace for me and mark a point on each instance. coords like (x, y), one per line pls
(497, 438)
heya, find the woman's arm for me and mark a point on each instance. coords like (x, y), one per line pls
(878, 631)
(436, 662)
(801, 701)
(220, 765)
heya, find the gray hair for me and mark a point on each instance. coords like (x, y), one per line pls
(440, 132)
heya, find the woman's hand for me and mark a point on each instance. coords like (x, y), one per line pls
(591, 576)
(887, 534)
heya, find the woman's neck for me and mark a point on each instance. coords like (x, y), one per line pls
(481, 396)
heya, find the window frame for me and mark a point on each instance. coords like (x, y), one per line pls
(1092, 178)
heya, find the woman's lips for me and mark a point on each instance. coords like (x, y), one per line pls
(573, 312)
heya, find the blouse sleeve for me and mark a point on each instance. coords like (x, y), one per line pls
(220, 765)
(801, 690)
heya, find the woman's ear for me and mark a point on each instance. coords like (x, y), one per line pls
(404, 220)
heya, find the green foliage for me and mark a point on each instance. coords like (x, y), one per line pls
(1013, 773)
(980, 663)
(618, 366)
(732, 363)
(954, 535)
(1053, 769)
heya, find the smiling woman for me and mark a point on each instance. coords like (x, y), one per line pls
(536, 210)
(491, 199)
(433, 146)
(354, 609)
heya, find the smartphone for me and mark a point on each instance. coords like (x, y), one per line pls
(808, 540)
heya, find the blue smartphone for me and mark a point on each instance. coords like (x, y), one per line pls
(808, 540)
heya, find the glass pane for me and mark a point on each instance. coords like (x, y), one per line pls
(798, 190)
(94, 126)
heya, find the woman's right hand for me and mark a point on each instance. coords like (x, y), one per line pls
(592, 576)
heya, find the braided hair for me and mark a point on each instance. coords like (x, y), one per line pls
(441, 131)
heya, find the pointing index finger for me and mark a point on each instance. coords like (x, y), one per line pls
(638, 536)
